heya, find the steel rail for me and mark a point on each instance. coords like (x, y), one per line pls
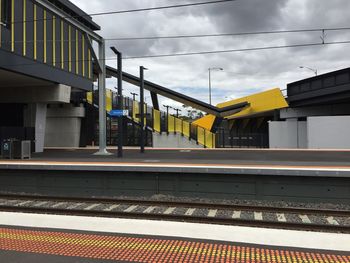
(220, 206)
(182, 218)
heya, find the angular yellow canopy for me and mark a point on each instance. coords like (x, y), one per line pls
(258, 103)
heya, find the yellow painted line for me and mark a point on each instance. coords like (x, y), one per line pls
(90, 62)
(35, 32)
(70, 48)
(76, 51)
(13, 25)
(54, 41)
(62, 45)
(24, 27)
(180, 165)
(45, 37)
(83, 53)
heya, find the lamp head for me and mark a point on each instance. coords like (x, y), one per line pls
(115, 51)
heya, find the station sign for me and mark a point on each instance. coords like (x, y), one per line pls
(118, 113)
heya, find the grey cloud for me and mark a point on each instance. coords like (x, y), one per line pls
(245, 72)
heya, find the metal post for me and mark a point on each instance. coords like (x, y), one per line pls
(120, 105)
(133, 95)
(210, 86)
(120, 101)
(167, 118)
(142, 120)
(102, 101)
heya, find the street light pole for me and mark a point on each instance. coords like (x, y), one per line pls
(133, 95)
(313, 70)
(120, 102)
(209, 70)
(177, 112)
(167, 117)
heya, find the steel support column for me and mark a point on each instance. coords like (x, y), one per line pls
(102, 101)
(120, 106)
(142, 113)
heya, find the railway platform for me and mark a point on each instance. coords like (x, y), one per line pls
(51, 238)
(290, 175)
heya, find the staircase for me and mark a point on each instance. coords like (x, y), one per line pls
(166, 129)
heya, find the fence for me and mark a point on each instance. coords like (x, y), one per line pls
(171, 124)
(159, 121)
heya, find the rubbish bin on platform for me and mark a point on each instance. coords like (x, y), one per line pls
(7, 149)
(15, 149)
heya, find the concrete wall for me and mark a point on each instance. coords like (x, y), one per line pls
(63, 125)
(36, 94)
(173, 141)
(35, 116)
(324, 110)
(288, 134)
(331, 132)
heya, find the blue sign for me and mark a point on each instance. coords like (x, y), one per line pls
(118, 113)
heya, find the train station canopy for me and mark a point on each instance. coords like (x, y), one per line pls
(259, 104)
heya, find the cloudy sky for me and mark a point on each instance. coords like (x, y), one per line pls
(244, 72)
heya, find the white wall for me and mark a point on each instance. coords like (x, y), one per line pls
(173, 141)
(63, 126)
(330, 132)
(35, 116)
(289, 134)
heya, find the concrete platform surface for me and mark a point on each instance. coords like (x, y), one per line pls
(232, 161)
(47, 238)
(205, 156)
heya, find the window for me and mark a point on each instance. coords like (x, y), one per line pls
(6, 13)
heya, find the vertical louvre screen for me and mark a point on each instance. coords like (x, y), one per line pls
(135, 111)
(171, 123)
(186, 129)
(178, 124)
(201, 135)
(156, 120)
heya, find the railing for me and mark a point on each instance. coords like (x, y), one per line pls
(171, 124)
(159, 122)
(246, 140)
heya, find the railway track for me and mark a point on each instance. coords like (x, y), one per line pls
(243, 215)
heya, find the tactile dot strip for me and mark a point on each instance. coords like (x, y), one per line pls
(139, 249)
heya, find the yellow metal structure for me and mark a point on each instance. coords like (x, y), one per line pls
(175, 125)
(186, 129)
(109, 97)
(156, 120)
(171, 124)
(259, 103)
(206, 122)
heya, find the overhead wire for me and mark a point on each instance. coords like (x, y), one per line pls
(199, 53)
(228, 34)
(202, 35)
(125, 11)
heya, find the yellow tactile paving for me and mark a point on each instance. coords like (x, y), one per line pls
(146, 249)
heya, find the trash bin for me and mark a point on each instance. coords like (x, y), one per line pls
(25, 150)
(7, 149)
(16, 149)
